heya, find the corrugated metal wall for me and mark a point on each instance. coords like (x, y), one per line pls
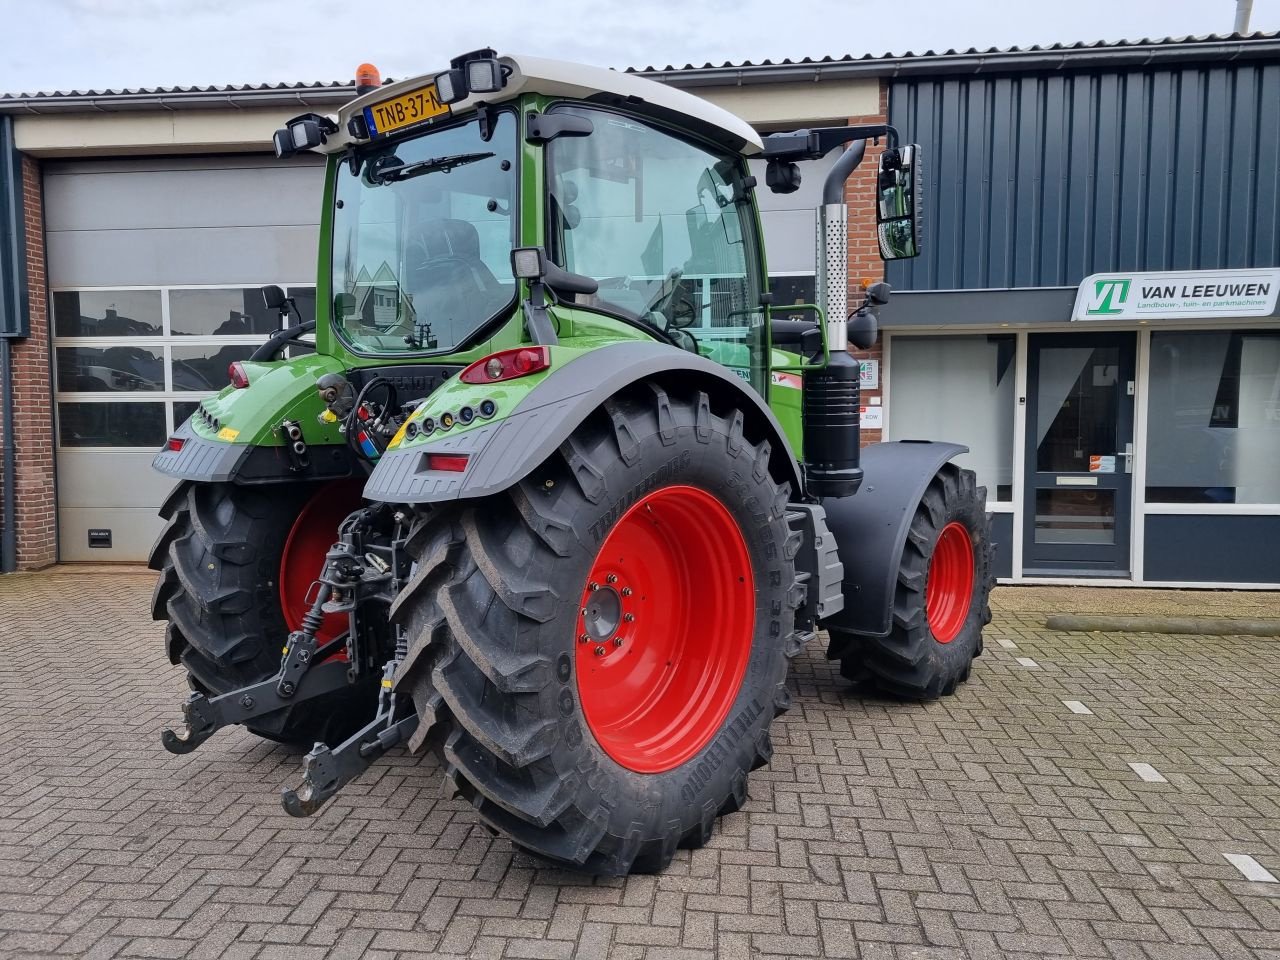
(1040, 180)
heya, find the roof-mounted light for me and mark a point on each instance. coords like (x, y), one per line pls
(472, 73)
(367, 78)
(484, 76)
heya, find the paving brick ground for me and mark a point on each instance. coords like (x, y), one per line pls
(995, 824)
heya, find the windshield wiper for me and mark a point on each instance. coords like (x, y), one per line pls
(388, 173)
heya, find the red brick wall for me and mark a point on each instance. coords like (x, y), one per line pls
(864, 253)
(37, 525)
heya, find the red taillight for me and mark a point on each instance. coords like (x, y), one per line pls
(449, 462)
(238, 375)
(507, 365)
(175, 443)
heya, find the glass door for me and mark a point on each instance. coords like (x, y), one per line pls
(1079, 489)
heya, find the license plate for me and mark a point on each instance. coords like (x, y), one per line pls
(417, 106)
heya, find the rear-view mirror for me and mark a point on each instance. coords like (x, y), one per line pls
(897, 192)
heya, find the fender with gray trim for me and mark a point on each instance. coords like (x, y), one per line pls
(502, 453)
(870, 528)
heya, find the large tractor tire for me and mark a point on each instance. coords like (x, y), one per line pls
(235, 565)
(597, 654)
(941, 600)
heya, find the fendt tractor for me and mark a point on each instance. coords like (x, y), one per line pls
(557, 489)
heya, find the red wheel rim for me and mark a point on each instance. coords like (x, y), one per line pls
(664, 629)
(312, 534)
(949, 590)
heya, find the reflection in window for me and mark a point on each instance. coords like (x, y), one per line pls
(1213, 420)
(182, 411)
(113, 424)
(960, 389)
(109, 369)
(204, 368)
(791, 290)
(235, 312)
(107, 313)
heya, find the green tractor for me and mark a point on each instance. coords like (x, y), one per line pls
(558, 490)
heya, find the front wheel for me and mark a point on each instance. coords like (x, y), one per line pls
(598, 653)
(941, 599)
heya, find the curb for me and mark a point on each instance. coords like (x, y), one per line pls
(1212, 626)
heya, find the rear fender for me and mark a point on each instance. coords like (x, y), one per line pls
(871, 528)
(505, 451)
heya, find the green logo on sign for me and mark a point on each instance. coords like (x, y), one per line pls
(1109, 297)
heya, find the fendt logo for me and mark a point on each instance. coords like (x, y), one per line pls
(1109, 298)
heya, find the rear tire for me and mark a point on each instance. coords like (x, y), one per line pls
(941, 600)
(510, 695)
(219, 560)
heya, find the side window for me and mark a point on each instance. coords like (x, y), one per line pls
(652, 217)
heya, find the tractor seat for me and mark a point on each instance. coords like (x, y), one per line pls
(451, 284)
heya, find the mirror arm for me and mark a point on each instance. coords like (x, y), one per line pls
(841, 170)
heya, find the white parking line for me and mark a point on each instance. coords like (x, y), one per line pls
(1027, 662)
(1075, 706)
(1007, 644)
(1148, 773)
(1251, 868)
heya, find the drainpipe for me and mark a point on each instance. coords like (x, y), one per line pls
(10, 326)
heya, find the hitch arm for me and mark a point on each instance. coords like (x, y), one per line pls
(325, 771)
(203, 717)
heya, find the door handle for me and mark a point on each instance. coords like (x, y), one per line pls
(1127, 453)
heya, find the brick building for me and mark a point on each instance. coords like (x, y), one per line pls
(1061, 185)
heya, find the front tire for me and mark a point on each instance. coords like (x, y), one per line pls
(235, 563)
(941, 599)
(602, 755)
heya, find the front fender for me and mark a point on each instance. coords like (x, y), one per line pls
(871, 527)
(503, 452)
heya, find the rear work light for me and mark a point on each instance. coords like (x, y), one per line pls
(507, 365)
(448, 462)
(238, 375)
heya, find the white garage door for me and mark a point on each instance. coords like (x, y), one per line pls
(154, 268)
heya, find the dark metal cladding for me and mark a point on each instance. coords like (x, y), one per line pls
(1040, 179)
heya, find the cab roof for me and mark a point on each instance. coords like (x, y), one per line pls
(558, 78)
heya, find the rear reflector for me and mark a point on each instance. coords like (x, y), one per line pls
(237, 374)
(449, 462)
(175, 443)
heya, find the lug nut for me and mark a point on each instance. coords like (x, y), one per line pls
(593, 586)
(584, 638)
(599, 651)
(629, 617)
(617, 641)
(626, 591)
(612, 578)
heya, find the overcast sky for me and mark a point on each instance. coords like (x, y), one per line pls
(98, 44)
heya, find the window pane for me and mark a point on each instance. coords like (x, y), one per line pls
(654, 220)
(107, 313)
(1077, 407)
(959, 389)
(789, 290)
(220, 313)
(204, 368)
(128, 369)
(111, 424)
(1213, 420)
(1075, 516)
(182, 411)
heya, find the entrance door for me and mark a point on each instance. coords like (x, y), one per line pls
(1079, 489)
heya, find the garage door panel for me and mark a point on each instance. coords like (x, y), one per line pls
(89, 478)
(213, 255)
(121, 197)
(133, 531)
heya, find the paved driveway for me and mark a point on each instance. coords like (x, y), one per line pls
(1002, 822)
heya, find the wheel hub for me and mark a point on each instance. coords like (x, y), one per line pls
(602, 614)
